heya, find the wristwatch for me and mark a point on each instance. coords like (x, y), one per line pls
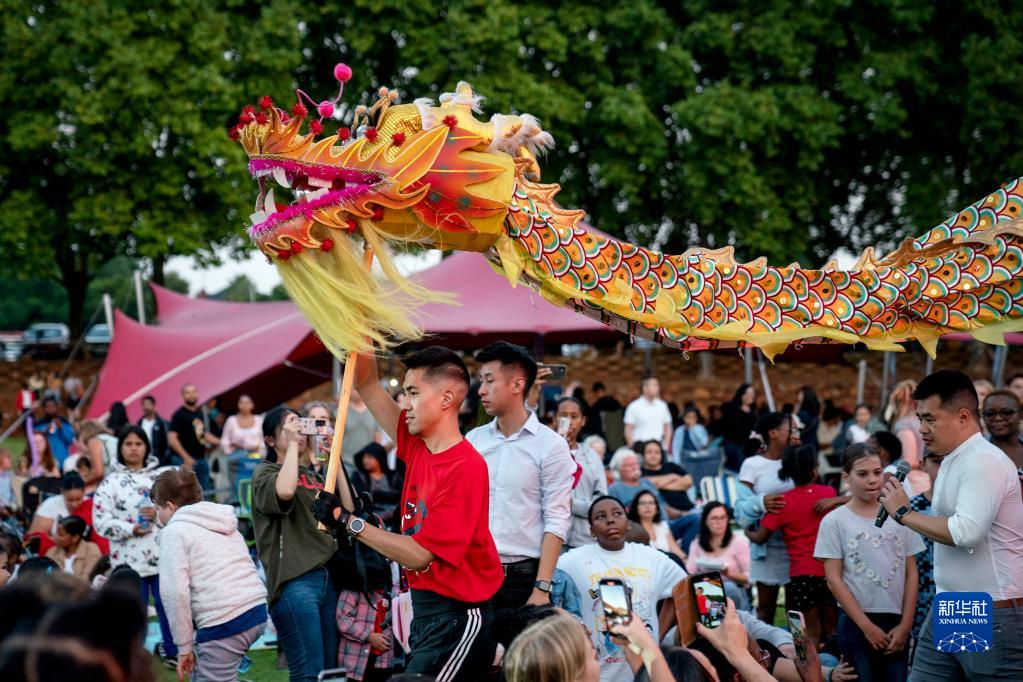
(900, 513)
(543, 585)
(355, 526)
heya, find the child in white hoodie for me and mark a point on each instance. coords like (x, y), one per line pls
(206, 577)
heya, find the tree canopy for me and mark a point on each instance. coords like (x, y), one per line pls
(789, 129)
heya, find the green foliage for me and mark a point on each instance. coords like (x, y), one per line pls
(114, 128)
(242, 289)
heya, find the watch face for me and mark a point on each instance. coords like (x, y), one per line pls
(357, 526)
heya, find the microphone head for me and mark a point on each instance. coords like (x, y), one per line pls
(902, 470)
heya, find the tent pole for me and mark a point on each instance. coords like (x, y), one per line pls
(861, 380)
(998, 367)
(140, 304)
(334, 468)
(763, 377)
(747, 359)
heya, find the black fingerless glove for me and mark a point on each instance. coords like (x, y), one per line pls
(323, 509)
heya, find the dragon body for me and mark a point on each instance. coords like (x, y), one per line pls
(436, 176)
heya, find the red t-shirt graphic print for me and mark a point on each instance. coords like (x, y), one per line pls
(446, 509)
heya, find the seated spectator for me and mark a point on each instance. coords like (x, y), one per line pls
(374, 476)
(72, 550)
(799, 522)
(49, 467)
(56, 430)
(8, 502)
(93, 448)
(718, 549)
(630, 481)
(83, 467)
(55, 508)
(597, 444)
(673, 482)
(207, 578)
(10, 546)
(650, 575)
(645, 512)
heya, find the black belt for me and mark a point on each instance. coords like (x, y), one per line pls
(524, 566)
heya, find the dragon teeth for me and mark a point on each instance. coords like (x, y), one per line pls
(268, 204)
(281, 177)
(257, 217)
(319, 182)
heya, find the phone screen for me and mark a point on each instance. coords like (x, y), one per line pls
(709, 595)
(614, 599)
(797, 626)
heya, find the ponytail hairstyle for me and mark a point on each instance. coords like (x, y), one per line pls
(76, 525)
(798, 463)
(761, 434)
(272, 421)
(854, 453)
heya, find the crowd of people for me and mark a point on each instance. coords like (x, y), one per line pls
(476, 519)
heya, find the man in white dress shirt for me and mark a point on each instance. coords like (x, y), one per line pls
(531, 477)
(977, 526)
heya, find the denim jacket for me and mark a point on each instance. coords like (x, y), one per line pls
(564, 593)
(749, 509)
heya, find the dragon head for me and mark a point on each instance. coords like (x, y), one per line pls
(418, 173)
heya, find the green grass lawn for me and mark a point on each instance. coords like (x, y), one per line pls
(16, 444)
(264, 669)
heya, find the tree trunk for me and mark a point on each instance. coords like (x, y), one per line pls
(158, 263)
(75, 280)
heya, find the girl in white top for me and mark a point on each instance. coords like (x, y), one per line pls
(644, 511)
(868, 571)
(773, 433)
(591, 482)
(244, 430)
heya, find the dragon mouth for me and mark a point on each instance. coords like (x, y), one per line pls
(313, 187)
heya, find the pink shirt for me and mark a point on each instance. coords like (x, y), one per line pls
(735, 556)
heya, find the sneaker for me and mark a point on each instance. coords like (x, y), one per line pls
(169, 662)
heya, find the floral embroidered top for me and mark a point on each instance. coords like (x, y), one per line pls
(116, 512)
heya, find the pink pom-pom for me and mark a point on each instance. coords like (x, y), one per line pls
(342, 72)
(326, 109)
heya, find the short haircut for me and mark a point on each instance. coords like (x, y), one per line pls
(955, 390)
(50, 399)
(598, 386)
(439, 363)
(179, 486)
(890, 442)
(589, 512)
(1002, 394)
(149, 398)
(510, 355)
(648, 377)
(72, 481)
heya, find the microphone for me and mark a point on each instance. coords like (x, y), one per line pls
(901, 471)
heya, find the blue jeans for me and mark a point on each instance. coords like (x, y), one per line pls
(304, 618)
(685, 529)
(151, 586)
(871, 664)
(202, 472)
(1004, 661)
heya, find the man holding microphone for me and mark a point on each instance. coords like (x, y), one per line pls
(977, 527)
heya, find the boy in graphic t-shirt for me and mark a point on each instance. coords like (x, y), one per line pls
(452, 563)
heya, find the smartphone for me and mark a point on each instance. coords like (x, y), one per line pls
(709, 597)
(558, 372)
(564, 424)
(797, 626)
(616, 601)
(308, 426)
(332, 675)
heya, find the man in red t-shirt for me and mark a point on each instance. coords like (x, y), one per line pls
(445, 543)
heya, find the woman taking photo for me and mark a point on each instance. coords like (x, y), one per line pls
(293, 552)
(718, 549)
(124, 514)
(592, 481)
(645, 511)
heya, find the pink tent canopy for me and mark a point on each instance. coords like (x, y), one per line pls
(269, 351)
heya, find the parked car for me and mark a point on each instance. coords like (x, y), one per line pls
(11, 345)
(98, 338)
(47, 338)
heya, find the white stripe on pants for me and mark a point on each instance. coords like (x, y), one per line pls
(472, 629)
